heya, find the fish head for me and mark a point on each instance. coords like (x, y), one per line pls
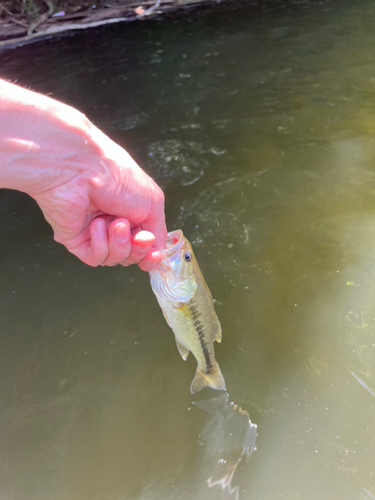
(180, 256)
(174, 279)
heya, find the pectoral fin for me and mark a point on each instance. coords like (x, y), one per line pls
(184, 351)
(219, 334)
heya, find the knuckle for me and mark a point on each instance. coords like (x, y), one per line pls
(159, 196)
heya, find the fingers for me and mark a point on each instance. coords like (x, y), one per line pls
(142, 241)
(152, 259)
(94, 250)
(124, 247)
(109, 243)
(112, 243)
(120, 242)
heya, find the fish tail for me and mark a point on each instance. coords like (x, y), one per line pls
(213, 378)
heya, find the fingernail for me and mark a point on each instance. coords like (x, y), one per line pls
(121, 233)
(144, 239)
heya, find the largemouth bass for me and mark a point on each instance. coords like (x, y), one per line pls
(188, 308)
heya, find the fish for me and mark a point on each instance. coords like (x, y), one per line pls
(188, 308)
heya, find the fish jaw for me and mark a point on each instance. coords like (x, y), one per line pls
(174, 242)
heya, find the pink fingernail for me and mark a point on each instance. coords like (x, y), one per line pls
(144, 238)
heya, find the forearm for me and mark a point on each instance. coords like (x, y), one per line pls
(40, 139)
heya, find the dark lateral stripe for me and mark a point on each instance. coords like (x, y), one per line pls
(200, 331)
(194, 311)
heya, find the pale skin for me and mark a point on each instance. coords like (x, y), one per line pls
(101, 205)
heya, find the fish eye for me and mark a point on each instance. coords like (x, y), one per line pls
(187, 256)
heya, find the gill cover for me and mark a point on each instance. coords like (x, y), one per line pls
(168, 289)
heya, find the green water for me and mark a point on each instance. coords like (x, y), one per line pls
(259, 124)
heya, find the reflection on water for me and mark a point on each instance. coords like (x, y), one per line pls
(257, 119)
(227, 437)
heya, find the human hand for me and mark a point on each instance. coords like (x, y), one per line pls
(113, 214)
(101, 205)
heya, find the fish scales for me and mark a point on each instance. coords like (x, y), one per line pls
(196, 330)
(188, 308)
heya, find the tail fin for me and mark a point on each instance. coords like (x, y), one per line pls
(213, 379)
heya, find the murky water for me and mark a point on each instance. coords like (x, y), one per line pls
(259, 123)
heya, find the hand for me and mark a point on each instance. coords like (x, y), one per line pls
(115, 216)
(101, 205)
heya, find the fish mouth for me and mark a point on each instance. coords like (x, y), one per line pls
(174, 240)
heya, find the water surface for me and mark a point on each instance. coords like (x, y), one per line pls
(259, 123)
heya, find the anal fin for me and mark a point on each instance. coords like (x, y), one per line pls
(184, 351)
